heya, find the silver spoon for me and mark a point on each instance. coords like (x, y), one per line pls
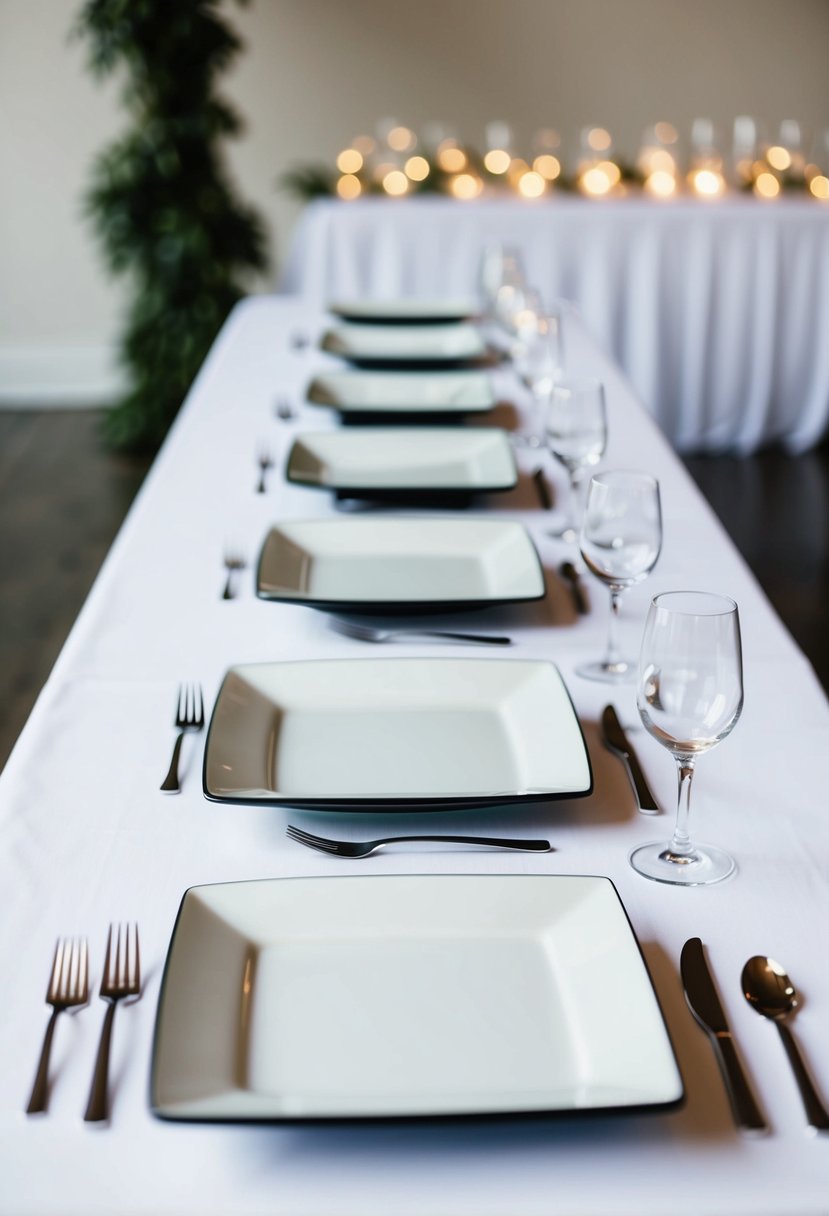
(769, 991)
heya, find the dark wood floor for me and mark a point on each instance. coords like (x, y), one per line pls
(62, 500)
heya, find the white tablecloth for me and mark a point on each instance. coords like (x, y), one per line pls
(717, 311)
(86, 837)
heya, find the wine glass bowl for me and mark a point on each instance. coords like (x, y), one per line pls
(690, 697)
(575, 427)
(620, 542)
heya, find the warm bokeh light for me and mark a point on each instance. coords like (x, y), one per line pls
(611, 171)
(766, 185)
(666, 133)
(599, 139)
(401, 139)
(779, 158)
(396, 182)
(819, 186)
(451, 158)
(349, 186)
(364, 144)
(417, 168)
(707, 183)
(595, 181)
(497, 160)
(466, 185)
(350, 161)
(660, 183)
(548, 166)
(661, 160)
(531, 184)
(383, 169)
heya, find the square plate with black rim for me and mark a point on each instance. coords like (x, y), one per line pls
(405, 463)
(408, 996)
(387, 396)
(399, 564)
(396, 311)
(408, 346)
(396, 734)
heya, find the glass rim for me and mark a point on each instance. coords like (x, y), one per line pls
(728, 604)
(604, 474)
(580, 383)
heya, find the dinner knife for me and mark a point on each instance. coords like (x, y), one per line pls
(616, 741)
(542, 489)
(704, 1004)
(577, 588)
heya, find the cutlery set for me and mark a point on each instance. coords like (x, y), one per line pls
(69, 989)
(769, 991)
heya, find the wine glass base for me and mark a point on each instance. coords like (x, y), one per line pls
(568, 534)
(705, 864)
(623, 671)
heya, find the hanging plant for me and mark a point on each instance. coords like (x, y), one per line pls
(161, 202)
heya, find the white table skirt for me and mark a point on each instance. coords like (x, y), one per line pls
(717, 311)
(86, 837)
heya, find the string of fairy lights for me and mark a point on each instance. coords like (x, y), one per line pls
(396, 162)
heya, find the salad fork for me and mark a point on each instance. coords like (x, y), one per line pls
(189, 716)
(68, 986)
(265, 461)
(355, 848)
(121, 978)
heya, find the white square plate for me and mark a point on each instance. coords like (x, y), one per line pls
(407, 312)
(408, 996)
(395, 734)
(406, 345)
(408, 393)
(392, 564)
(465, 460)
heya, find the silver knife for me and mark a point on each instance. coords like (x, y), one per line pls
(616, 741)
(704, 1004)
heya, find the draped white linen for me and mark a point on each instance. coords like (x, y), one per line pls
(86, 837)
(717, 311)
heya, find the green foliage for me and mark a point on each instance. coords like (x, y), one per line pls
(161, 201)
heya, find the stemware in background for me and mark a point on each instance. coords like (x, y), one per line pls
(575, 427)
(539, 362)
(500, 277)
(690, 696)
(621, 537)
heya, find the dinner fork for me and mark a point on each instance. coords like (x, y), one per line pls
(355, 848)
(121, 978)
(285, 412)
(68, 986)
(368, 633)
(233, 560)
(265, 461)
(189, 716)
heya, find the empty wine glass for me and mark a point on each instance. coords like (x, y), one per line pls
(621, 537)
(500, 273)
(575, 425)
(690, 695)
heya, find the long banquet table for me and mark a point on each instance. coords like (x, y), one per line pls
(87, 838)
(716, 310)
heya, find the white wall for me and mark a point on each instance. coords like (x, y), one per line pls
(318, 72)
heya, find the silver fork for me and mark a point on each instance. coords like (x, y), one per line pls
(285, 412)
(121, 978)
(234, 560)
(265, 461)
(68, 986)
(353, 848)
(368, 633)
(189, 716)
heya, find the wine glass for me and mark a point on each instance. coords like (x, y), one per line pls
(575, 425)
(539, 362)
(621, 537)
(690, 695)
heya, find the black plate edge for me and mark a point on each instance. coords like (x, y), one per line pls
(556, 1115)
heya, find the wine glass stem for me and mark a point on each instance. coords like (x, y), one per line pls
(571, 523)
(681, 842)
(613, 655)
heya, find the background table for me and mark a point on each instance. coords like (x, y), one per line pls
(86, 837)
(717, 311)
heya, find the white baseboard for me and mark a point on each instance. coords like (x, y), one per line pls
(57, 377)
